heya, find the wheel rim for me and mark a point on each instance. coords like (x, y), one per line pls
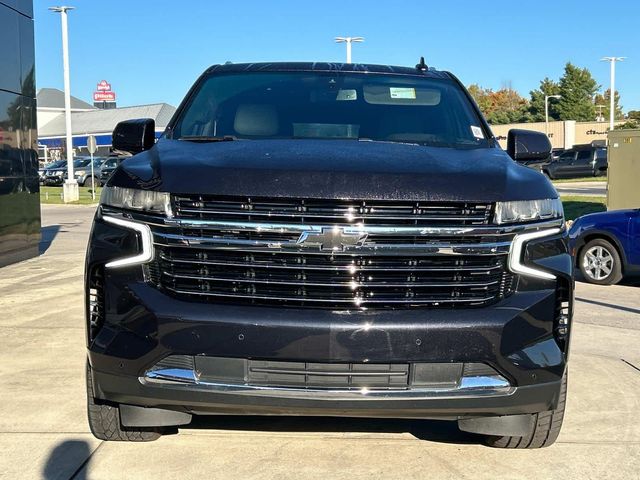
(598, 263)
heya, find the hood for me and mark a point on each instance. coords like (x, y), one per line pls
(602, 218)
(346, 169)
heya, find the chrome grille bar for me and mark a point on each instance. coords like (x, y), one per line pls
(213, 242)
(335, 268)
(345, 301)
(354, 285)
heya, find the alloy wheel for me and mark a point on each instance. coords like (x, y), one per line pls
(598, 262)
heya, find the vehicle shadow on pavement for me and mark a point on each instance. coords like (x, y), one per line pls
(48, 234)
(609, 305)
(68, 460)
(429, 430)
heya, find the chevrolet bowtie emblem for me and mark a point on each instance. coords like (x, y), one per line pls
(331, 239)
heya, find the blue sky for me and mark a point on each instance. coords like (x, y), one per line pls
(152, 51)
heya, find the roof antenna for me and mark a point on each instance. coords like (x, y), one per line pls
(422, 66)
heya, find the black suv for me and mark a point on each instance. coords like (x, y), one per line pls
(108, 167)
(579, 161)
(326, 239)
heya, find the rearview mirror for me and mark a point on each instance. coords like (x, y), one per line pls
(525, 145)
(134, 136)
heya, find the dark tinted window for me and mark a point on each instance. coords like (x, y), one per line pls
(56, 164)
(567, 156)
(332, 106)
(81, 163)
(584, 155)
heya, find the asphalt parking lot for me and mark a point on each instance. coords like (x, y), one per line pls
(44, 434)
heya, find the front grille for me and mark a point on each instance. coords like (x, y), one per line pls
(221, 249)
(331, 279)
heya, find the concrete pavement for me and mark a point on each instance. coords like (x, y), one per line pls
(43, 430)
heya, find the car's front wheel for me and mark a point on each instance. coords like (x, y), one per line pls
(600, 262)
(545, 431)
(104, 420)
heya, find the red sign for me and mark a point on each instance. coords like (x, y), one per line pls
(103, 86)
(104, 96)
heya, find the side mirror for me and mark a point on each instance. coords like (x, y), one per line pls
(134, 136)
(525, 145)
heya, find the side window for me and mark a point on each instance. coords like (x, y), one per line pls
(601, 153)
(566, 157)
(584, 155)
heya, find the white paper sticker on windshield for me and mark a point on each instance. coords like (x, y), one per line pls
(401, 92)
(477, 131)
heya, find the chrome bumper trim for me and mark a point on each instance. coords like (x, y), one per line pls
(468, 387)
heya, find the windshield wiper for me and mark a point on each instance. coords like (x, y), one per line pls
(207, 138)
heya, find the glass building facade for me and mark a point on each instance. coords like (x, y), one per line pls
(19, 189)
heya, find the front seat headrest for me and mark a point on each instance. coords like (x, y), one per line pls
(256, 120)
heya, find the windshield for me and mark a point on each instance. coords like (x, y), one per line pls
(56, 164)
(389, 108)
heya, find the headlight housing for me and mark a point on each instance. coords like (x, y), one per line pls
(528, 211)
(135, 199)
(79, 173)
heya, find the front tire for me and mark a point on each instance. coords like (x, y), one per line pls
(87, 182)
(600, 262)
(545, 430)
(104, 420)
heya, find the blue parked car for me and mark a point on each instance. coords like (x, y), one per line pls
(606, 245)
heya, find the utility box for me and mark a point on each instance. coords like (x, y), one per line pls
(623, 184)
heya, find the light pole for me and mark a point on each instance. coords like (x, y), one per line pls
(546, 111)
(349, 41)
(70, 190)
(612, 88)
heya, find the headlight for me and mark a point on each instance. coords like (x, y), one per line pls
(134, 199)
(528, 210)
(79, 173)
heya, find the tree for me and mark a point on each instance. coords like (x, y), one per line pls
(481, 96)
(605, 101)
(629, 124)
(500, 107)
(633, 115)
(536, 103)
(577, 88)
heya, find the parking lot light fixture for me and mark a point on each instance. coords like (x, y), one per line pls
(349, 41)
(546, 111)
(70, 190)
(612, 88)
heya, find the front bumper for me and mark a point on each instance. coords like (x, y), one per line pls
(53, 180)
(511, 336)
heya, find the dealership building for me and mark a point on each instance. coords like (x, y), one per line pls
(562, 134)
(87, 120)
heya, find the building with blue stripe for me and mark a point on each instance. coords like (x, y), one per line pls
(93, 121)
